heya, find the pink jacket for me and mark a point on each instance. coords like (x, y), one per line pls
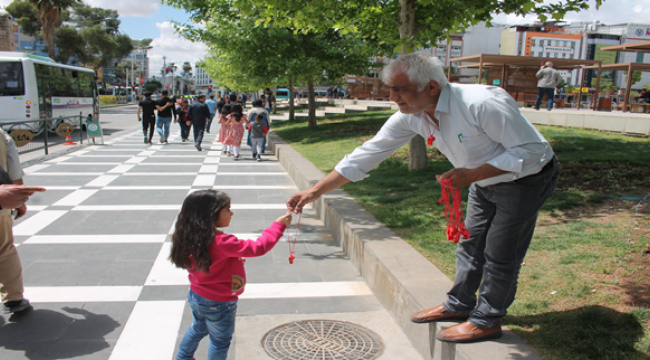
(227, 276)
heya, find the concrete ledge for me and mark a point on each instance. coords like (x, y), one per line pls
(401, 278)
(587, 119)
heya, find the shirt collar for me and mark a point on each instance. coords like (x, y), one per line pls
(443, 101)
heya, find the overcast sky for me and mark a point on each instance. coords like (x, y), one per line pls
(150, 19)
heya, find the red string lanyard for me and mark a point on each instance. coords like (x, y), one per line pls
(454, 213)
(431, 138)
(292, 247)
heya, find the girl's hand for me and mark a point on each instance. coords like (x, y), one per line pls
(285, 219)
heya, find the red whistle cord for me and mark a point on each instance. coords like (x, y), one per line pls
(453, 212)
(431, 138)
(292, 247)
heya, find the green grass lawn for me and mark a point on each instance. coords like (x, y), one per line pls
(581, 292)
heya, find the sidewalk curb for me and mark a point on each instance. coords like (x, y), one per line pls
(401, 278)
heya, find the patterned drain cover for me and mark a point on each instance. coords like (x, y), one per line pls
(322, 340)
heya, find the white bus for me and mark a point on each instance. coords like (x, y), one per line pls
(34, 87)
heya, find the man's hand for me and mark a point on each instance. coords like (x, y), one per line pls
(298, 200)
(14, 196)
(188, 123)
(20, 211)
(460, 177)
(139, 118)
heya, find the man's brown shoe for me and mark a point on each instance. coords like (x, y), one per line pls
(467, 332)
(438, 313)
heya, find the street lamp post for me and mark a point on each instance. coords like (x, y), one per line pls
(164, 70)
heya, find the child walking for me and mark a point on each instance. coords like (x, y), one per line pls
(225, 128)
(214, 261)
(237, 121)
(257, 131)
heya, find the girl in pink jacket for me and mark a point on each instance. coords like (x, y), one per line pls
(216, 266)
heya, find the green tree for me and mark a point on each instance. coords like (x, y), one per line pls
(152, 86)
(26, 16)
(246, 56)
(606, 87)
(396, 25)
(636, 76)
(49, 15)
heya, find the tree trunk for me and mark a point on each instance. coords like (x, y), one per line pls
(274, 104)
(49, 17)
(312, 103)
(417, 147)
(292, 110)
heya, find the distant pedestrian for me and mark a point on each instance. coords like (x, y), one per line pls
(257, 131)
(225, 128)
(166, 112)
(197, 115)
(215, 262)
(237, 121)
(258, 111)
(212, 105)
(549, 78)
(181, 119)
(146, 114)
(270, 100)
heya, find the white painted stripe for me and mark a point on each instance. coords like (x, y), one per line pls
(36, 207)
(146, 153)
(109, 150)
(163, 151)
(252, 173)
(80, 294)
(204, 180)
(252, 164)
(135, 160)
(127, 207)
(259, 206)
(212, 160)
(71, 174)
(209, 169)
(105, 156)
(75, 198)
(33, 168)
(156, 188)
(254, 187)
(150, 332)
(306, 290)
(155, 147)
(159, 174)
(80, 152)
(95, 239)
(163, 272)
(90, 163)
(102, 181)
(120, 169)
(214, 153)
(61, 187)
(37, 222)
(59, 159)
(177, 156)
(168, 164)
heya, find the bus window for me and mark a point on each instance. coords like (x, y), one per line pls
(12, 80)
(41, 70)
(85, 84)
(74, 82)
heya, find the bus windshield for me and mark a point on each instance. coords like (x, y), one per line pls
(12, 81)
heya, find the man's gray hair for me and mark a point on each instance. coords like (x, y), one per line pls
(419, 68)
(549, 63)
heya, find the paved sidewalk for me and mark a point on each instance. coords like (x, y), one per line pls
(94, 250)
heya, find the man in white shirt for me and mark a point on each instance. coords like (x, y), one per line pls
(510, 168)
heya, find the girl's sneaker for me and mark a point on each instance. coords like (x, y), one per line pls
(259, 158)
(236, 157)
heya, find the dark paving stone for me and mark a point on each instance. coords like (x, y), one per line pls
(82, 158)
(313, 305)
(252, 221)
(86, 264)
(253, 180)
(136, 197)
(161, 159)
(129, 222)
(20, 239)
(77, 180)
(251, 168)
(62, 167)
(166, 169)
(157, 293)
(48, 197)
(171, 180)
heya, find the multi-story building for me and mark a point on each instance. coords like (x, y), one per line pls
(202, 82)
(140, 61)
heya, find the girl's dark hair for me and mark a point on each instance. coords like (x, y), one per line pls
(257, 103)
(236, 111)
(225, 110)
(195, 229)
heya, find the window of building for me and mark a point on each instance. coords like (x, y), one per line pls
(549, 43)
(639, 57)
(572, 44)
(548, 54)
(563, 43)
(16, 38)
(533, 43)
(557, 42)
(556, 55)
(564, 55)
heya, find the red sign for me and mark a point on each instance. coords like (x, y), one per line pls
(167, 86)
(142, 81)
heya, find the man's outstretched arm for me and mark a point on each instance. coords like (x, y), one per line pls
(298, 200)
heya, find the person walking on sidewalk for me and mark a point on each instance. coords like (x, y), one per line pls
(508, 165)
(549, 78)
(258, 110)
(182, 120)
(166, 112)
(225, 128)
(257, 131)
(236, 123)
(215, 262)
(197, 115)
(212, 105)
(13, 195)
(146, 114)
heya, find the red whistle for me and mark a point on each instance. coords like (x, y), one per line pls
(291, 258)
(431, 139)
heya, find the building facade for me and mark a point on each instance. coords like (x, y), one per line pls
(202, 81)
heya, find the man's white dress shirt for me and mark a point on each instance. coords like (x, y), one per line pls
(478, 125)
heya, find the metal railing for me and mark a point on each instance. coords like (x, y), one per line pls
(40, 134)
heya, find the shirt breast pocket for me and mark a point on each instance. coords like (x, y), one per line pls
(474, 146)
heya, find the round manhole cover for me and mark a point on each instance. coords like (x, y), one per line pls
(322, 340)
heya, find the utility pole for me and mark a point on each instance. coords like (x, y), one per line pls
(164, 71)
